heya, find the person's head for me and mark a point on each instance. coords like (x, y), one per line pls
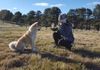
(62, 18)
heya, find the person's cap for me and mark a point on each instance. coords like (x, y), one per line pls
(62, 16)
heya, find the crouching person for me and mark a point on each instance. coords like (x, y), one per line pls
(64, 35)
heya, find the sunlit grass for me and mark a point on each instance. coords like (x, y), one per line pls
(85, 54)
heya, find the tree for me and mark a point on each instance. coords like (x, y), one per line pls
(46, 17)
(17, 17)
(72, 17)
(81, 13)
(44, 21)
(23, 19)
(51, 15)
(96, 11)
(97, 26)
(38, 16)
(88, 13)
(5, 15)
(55, 12)
(31, 17)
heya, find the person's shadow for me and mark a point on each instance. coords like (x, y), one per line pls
(86, 53)
(50, 56)
(55, 58)
(82, 52)
(65, 59)
(89, 54)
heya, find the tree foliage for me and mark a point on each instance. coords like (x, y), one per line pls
(82, 18)
(5, 15)
(17, 17)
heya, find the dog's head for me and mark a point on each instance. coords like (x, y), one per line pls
(35, 26)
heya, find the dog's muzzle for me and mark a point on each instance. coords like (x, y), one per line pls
(39, 28)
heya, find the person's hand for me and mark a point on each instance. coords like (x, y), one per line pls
(53, 28)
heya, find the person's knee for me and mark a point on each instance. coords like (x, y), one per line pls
(62, 42)
(54, 34)
(65, 43)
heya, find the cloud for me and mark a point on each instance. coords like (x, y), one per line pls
(93, 3)
(15, 8)
(9, 9)
(5, 9)
(57, 5)
(47, 4)
(40, 4)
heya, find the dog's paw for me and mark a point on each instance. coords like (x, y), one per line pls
(34, 49)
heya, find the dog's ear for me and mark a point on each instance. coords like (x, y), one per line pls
(35, 23)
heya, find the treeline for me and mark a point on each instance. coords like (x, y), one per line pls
(81, 18)
(85, 18)
(46, 18)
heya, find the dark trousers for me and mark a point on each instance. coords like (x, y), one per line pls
(60, 41)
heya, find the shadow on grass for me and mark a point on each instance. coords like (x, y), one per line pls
(86, 53)
(51, 56)
(27, 51)
(92, 66)
(55, 58)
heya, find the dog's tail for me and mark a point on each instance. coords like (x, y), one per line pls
(12, 45)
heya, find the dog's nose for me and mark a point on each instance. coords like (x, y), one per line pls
(38, 29)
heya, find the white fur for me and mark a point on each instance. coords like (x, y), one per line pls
(29, 37)
(12, 45)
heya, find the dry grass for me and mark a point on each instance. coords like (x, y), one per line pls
(85, 54)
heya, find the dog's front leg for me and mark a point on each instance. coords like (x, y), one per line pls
(33, 47)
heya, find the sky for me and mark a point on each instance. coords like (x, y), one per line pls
(25, 6)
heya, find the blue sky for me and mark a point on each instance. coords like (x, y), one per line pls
(26, 5)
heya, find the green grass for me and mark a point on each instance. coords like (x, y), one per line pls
(85, 54)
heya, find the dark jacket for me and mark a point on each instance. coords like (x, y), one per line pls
(66, 31)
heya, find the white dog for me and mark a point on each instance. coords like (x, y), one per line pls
(28, 37)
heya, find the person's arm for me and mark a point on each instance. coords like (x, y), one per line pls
(65, 30)
(53, 27)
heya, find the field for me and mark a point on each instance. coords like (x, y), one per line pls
(85, 54)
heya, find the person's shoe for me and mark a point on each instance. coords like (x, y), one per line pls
(68, 47)
(56, 46)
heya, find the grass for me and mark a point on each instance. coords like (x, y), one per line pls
(85, 54)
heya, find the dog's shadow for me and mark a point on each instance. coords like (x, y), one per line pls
(27, 51)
